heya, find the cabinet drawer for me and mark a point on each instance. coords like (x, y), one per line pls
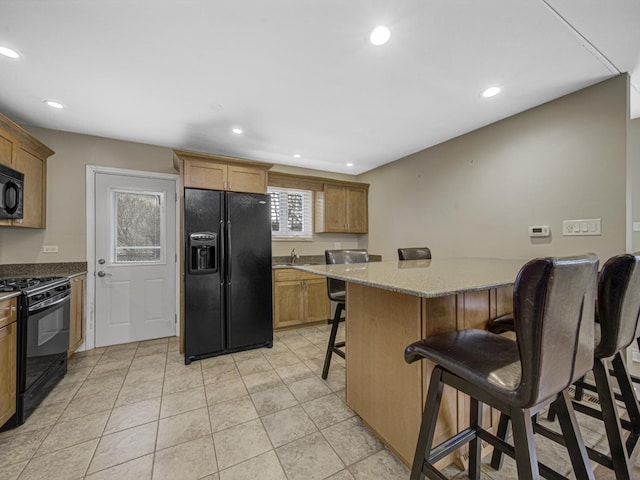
(7, 312)
(289, 274)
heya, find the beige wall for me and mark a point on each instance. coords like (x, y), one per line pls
(633, 177)
(477, 194)
(66, 180)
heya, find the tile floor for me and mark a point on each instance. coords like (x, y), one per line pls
(135, 411)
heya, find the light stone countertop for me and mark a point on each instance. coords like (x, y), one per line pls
(426, 278)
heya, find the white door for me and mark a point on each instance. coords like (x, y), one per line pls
(135, 258)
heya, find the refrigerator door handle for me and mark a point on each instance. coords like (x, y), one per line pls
(228, 252)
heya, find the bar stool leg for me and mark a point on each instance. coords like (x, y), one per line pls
(619, 455)
(503, 428)
(428, 425)
(571, 433)
(523, 443)
(332, 340)
(475, 445)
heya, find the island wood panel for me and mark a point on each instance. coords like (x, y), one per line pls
(382, 388)
(389, 394)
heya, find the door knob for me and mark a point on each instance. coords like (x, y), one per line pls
(103, 274)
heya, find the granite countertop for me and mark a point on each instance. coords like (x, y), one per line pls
(305, 260)
(425, 278)
(67, 269)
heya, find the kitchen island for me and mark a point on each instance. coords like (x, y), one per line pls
(392, 304)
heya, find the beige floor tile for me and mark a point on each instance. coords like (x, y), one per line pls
(343, 475)
(151, 349)
(42, 417)
(310, 458)
(144, 374)
(133, 414)
(76, 362)
(188, 461)
(157, 360)
(220, 372)
(351, 440)
(61, 394)
(69, 463)
(265, 467)
(233, 412)
(257, 382)
(184, 381)
(123, 446)
(309, 389)
(328, 410)
(94, 386)
(81, 406)
(224, 391)
(283, 359)
(138, 391)
(216, 361)
(253, 365)
(272, 400)
(242, 442)
(137, 469)
(11, 472)
(75, 376)
(248, 354)
(292, 373)
(178, 368)
(288, 425)
(123, 347)
(381, 466)
(74, 432)
(116, 367)
(336, 378)
(18, 446)
(183, 427)
(183, 402)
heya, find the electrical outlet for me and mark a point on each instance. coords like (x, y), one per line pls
(50, 249)
(589, 226)
(337, 245)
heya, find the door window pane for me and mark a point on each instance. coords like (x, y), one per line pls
(138, 227)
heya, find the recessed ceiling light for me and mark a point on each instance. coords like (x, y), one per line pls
(380, 35)
(491, 91)
(7, 52)
(237, 131)
(54, 104)
(296, 155)
(349, 164)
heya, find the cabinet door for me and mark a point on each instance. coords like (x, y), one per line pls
(76, 326)
(6, 149)
(317, 305)
(356, 205)
(288, 304)
(8, 366)
(246, 179)
(34, 170)
(335, 198)
(208, 175)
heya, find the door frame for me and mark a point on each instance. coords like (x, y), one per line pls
(90, 313)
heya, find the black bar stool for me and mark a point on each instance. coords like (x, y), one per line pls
(553, 300)
(414, 253)
(336, 290)
(618, 309)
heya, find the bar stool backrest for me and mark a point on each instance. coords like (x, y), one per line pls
(553, 308)
(336, 288)
(618, 304)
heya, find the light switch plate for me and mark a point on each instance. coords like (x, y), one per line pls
(636, 226)
(50, 249)
(587, 226)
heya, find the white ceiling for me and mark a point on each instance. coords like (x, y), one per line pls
(299, 76)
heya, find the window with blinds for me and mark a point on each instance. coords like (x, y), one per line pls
(291, 213)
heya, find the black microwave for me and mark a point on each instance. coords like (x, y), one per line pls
(11, 192)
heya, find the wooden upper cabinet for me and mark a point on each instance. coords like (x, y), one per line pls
(24, 153)
(342, 209)
(214, 172)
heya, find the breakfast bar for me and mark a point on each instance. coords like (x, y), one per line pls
(394, 303)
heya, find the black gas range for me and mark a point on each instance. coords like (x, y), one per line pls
(43, 338)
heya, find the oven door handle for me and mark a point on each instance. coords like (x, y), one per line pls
(40, 306)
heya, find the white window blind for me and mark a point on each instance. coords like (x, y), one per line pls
(291, 214)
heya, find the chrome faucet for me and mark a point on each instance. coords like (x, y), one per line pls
(293, 257)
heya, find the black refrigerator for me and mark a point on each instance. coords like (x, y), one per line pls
(227, 274)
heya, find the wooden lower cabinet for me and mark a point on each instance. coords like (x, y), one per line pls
(8, 359)
(299, 298)
(76, 325)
